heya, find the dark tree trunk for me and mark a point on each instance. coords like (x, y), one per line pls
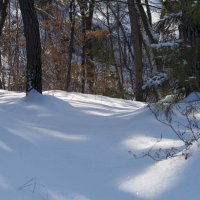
(72, 23)
(3, 14)
(33, 46)
(91, 70)
(83, 7)
(145, 21)
(86, 25)
(120, 80)
(83, 54)
(148, 12)
(2, 82)
(137, 47)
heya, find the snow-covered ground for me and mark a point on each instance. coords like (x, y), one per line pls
(69, 146)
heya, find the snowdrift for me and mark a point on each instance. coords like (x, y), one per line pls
(70, 146)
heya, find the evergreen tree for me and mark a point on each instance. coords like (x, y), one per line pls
(180, 27)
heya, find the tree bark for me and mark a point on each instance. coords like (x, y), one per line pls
(148, 12)
(72, 24)
(3, 15)
(120, 79)
(86, 25)
(137, 47)
(145, 21)
(33, 46)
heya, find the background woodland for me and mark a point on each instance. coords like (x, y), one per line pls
(112, 48)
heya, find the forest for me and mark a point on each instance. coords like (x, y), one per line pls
(99, 99)
(135, 49)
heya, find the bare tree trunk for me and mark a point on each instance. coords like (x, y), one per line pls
(72, 23)
(3, 14)
(120, 83)
(16, 55)
(82, 7)
(137, 46)
(148, 12)
(148, 37)
(86, 23)
(145, 21)
(33, 46)
(2, 81)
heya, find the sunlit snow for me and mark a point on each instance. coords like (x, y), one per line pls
(156, 179)
(145, 142)
(70, 146)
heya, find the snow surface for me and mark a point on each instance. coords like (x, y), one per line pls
(70, 146)
(165, 44)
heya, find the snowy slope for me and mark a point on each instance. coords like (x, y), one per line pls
(69, 146)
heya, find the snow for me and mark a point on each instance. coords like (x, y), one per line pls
(4, 146)
(195, 96)
(156, 80)
(165, 44)
(71, 146)
(145, 143)
(165, 176)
